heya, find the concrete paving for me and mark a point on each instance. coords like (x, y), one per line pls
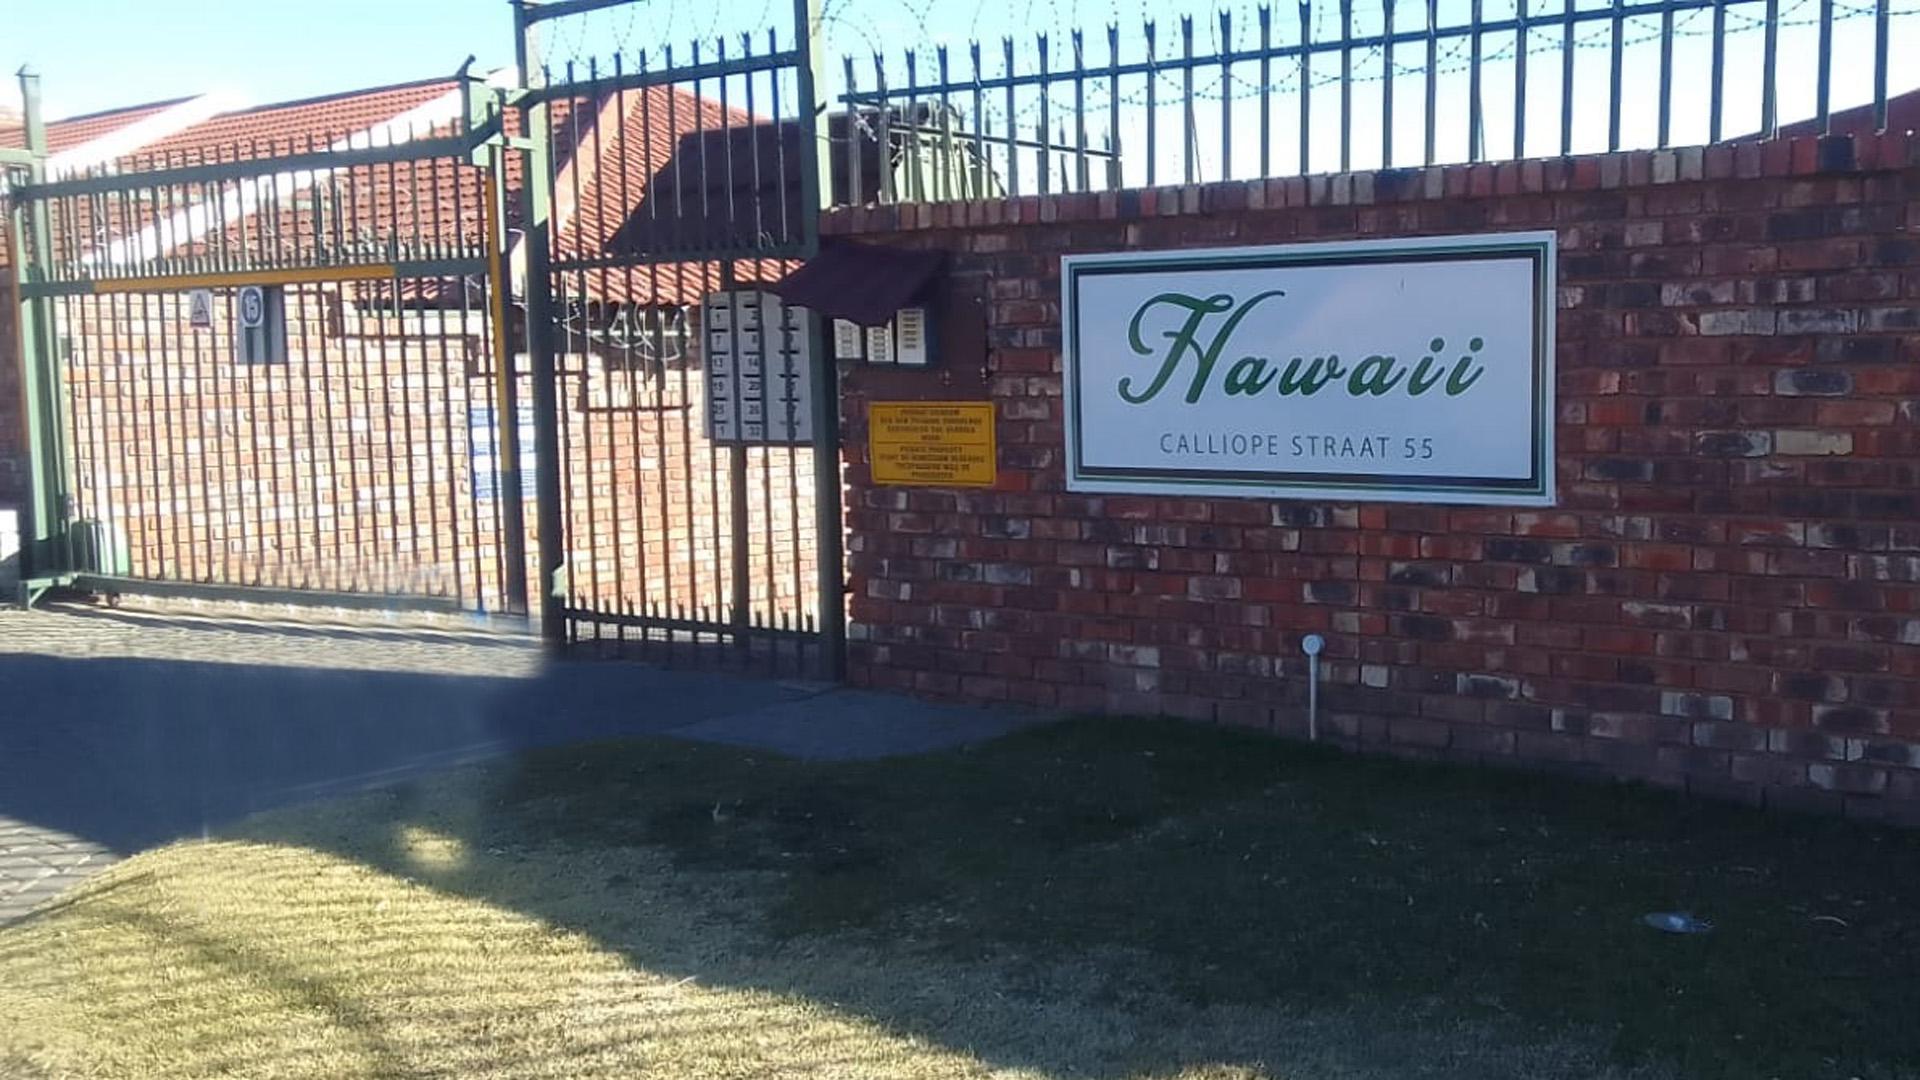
(124, 729)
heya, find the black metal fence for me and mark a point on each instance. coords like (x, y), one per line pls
(1327, 86)
(693, 525)
(269, 368)
(306, 370)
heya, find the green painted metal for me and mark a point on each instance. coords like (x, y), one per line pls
(530, 13)
(31, 590)
(711, 192)
(62, 551)
(116, 585)
(43, 547)
(677, 75)
(816, 179)
(536, 239)
(691, 628)
(800, 249)
(415, 268)
(752, 188)
(816, 189)
(1468, 42)
(451, 146)
(513, 509)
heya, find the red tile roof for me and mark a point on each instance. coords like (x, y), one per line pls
(73, 131)
(612, 152)
(432, 205)
(270, 129)
(609, 151)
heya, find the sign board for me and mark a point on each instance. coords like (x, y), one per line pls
(759, 369)
(260, 325)
(483, 450)
(253, 307)
(931, 443)
(1399, 370)
(200, 309)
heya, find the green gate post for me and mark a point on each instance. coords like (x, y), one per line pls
(741, 596)
(816, 189)
(513, 510)
(43, 549)
(536, 211)
(486, 113)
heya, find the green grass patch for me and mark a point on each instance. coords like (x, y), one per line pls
(1098, 898)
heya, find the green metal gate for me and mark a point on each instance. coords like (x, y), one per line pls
(303, 373)
(274, 372)
(687, 421)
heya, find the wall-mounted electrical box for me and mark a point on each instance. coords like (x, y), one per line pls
(884, 302)
(906, 341)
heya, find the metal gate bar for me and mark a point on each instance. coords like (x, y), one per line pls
(213, 459)
(667, 182)
(329, 450)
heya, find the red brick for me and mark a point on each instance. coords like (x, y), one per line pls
(1627, 624)
(1737, 455)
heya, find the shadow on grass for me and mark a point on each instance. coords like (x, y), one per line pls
(1106, 897)
(1094, 898)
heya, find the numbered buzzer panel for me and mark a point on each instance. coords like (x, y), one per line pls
(758, 369)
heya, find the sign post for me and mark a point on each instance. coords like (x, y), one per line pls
(1397, 371)
(931, 443)
(200, 309)
(260, 315)
(253, 307)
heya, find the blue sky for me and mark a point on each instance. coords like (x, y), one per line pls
(97, 54)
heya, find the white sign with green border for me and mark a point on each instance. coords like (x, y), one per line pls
(1415, 370)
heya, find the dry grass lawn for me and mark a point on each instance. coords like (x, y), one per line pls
(1122, 901)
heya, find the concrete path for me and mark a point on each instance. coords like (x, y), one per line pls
(120, 730)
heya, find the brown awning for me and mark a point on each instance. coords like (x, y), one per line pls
(862, 283)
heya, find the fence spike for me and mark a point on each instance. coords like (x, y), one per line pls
(1153, 110)
(1306, 87)
(1189, 136)
(1519, 79)
(1226, 95)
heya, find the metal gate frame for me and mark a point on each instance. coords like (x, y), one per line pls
(484, 140)
(51, 552)
(28, 230)
(802, 59)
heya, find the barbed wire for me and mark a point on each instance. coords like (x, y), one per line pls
(1366, 65)
(1451, 60)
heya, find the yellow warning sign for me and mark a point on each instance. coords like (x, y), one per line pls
(931, 443)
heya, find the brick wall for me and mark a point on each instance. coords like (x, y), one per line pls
(353, 466)
(1726, 598)
(347, 468)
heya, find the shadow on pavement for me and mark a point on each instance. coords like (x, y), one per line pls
(131, 752)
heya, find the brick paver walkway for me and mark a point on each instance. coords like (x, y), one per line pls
(39, 861)
(287, 637)
(38, 864)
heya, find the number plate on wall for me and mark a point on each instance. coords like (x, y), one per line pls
(759, 360)
(1398, 370)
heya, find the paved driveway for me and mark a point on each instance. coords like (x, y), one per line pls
(120, 730)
